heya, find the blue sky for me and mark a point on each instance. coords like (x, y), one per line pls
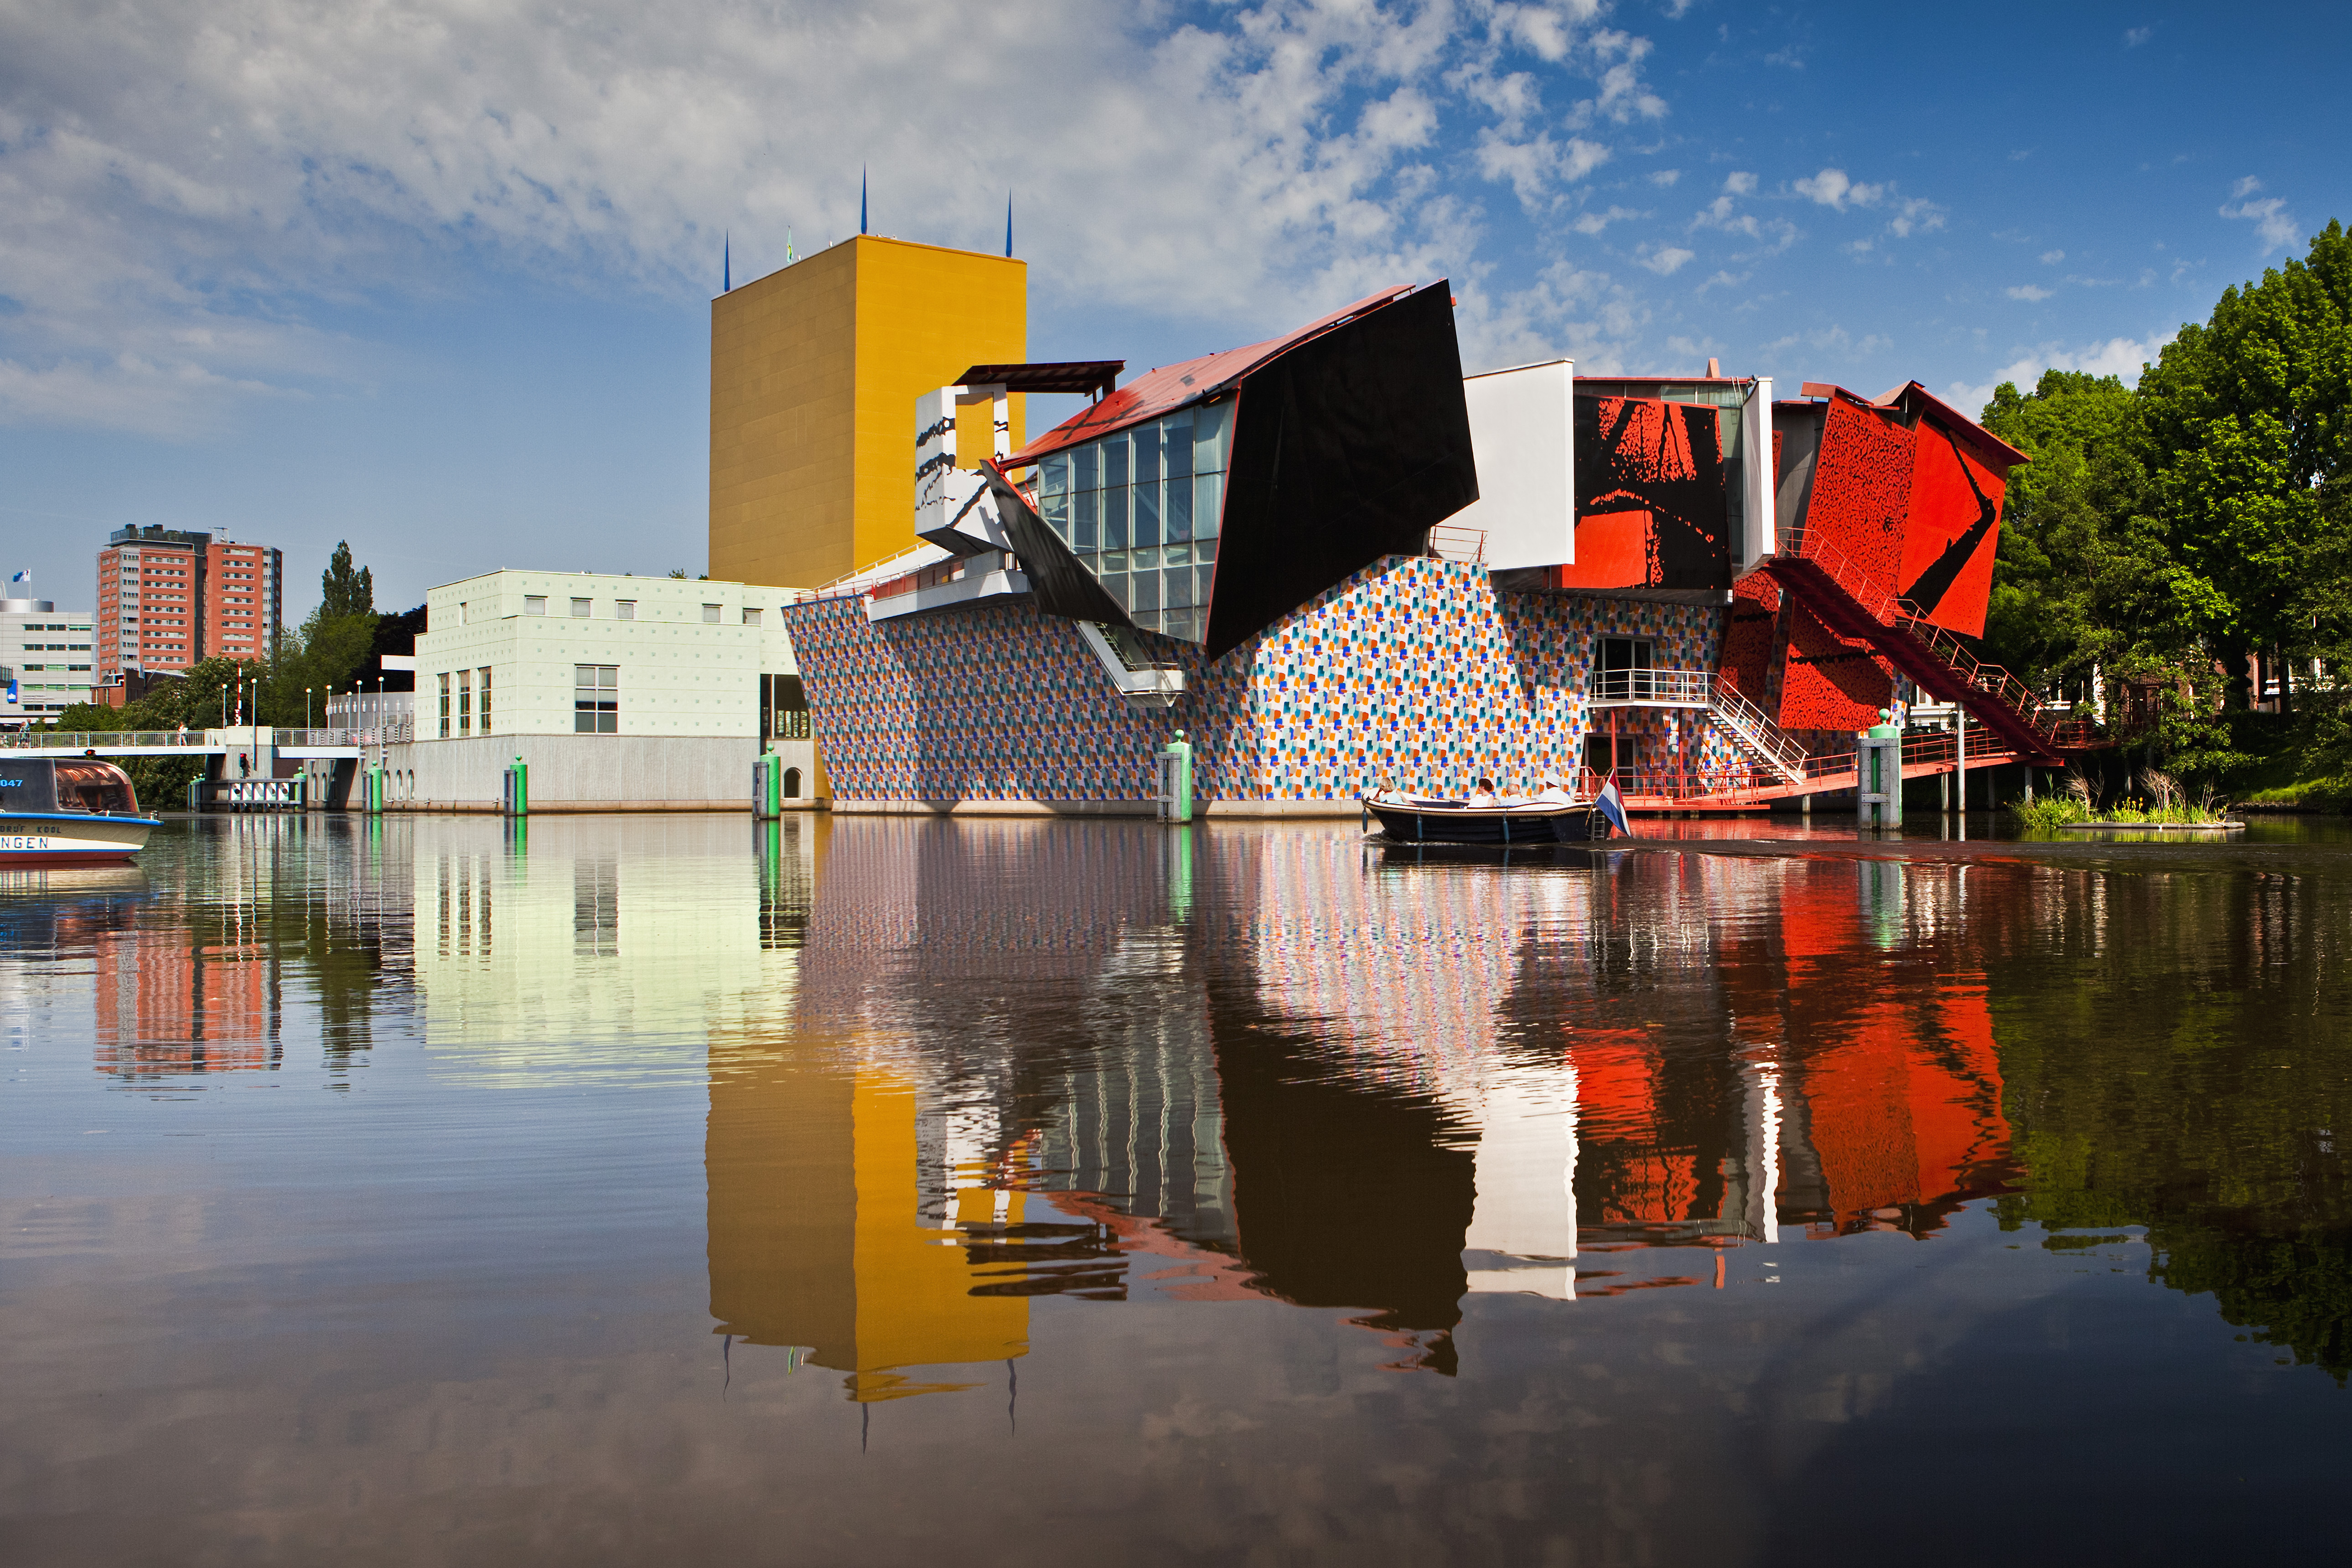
(435, 277)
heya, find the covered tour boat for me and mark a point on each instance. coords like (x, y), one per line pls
(1406, 819)
(75, 812)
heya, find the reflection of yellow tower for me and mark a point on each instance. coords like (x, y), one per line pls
(817, 1237)
(815, 371)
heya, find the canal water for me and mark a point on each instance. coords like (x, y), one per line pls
(621, 1190)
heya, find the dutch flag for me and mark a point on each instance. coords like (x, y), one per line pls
(22, 577)
(1613, 806)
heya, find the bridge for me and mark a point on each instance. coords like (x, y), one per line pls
(295, 745)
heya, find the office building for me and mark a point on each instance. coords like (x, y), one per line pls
(45, 660)
(815, 371)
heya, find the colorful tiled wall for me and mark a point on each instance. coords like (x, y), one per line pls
(1413, 672)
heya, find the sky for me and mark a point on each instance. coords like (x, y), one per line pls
(434, 276)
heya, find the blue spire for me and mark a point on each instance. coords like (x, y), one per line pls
(725, 263)
(1008, 222)
(861, 198)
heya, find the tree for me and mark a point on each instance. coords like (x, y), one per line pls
(344, 590)
(2247, 422)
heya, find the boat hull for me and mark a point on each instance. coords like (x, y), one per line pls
(43, 838)
(1580, 824)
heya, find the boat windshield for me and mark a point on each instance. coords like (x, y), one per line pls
(95, 787)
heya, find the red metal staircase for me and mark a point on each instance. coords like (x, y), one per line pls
(1851, 605)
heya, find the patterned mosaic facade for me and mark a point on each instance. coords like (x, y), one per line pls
(1414, 672)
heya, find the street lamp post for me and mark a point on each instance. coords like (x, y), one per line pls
(306, 708)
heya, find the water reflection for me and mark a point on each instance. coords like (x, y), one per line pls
(1729, 1176)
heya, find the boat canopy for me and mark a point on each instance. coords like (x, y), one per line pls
(80, 785)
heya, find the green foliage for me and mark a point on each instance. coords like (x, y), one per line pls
(2049, 811)
(344, 590)
(2201, 517)
(322, 655)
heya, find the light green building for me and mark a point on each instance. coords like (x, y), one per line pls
(615, 693)
(562, 653)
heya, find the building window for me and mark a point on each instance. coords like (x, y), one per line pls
(579, 609)
(625, 610)
(465, 703)
(751, 617)
(711, 614)
(1624, 668)
(445, 707)
(784, 707)
(596, 699)
(486, 700)
(792, 784)
(534, 604)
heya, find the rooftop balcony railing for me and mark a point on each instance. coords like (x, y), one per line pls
(1651, 689)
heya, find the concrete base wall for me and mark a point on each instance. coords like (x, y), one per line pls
(1211, 809)
(586, 773)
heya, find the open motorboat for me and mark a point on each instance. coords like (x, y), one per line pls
(1409, 819)
(78, 811)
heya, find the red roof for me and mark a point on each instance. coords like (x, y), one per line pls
(1163, 391)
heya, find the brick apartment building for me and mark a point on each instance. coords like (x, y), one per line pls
(168, 597)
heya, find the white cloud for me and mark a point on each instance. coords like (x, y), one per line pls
(2135, 37)
(1833, 189)
(2052, 258)
(184, 183)
(1664, 178)
(1665, 261)
(2121, 357)
(2030, 292)
(2273, 225)
(1739, 185)
(1593, 223)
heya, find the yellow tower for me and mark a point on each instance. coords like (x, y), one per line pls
(815, 371)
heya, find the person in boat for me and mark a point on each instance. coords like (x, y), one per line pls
(1484, 794)
(1554, 792)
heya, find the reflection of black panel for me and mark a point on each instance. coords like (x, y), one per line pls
(1063, 586)
(1343, 1196)
(1346, 448)
(1797, 437)
(1650, 496)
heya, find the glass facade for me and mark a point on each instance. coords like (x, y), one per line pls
(1140, 510)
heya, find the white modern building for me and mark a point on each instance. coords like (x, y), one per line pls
(45, 660)
(645, 693)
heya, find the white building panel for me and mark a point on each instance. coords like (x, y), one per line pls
(1523, 437)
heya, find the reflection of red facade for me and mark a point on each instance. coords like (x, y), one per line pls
(1632, 1169)
(1908, 1112)
(164, 1008)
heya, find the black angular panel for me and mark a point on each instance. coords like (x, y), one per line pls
(1063, 587)
(1347, 448)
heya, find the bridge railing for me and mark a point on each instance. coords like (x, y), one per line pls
(86, 740)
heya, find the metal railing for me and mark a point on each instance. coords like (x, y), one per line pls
(84, 740)
(1457, 543)
(1990, 680)
(1750, 725)
(1662, 688)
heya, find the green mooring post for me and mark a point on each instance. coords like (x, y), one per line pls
(1878, 773)
(371, 789)
(1174, 798)
(518, 789)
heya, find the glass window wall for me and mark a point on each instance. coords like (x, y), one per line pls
(1140, 510)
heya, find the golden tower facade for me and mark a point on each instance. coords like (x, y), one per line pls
(815, 371)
